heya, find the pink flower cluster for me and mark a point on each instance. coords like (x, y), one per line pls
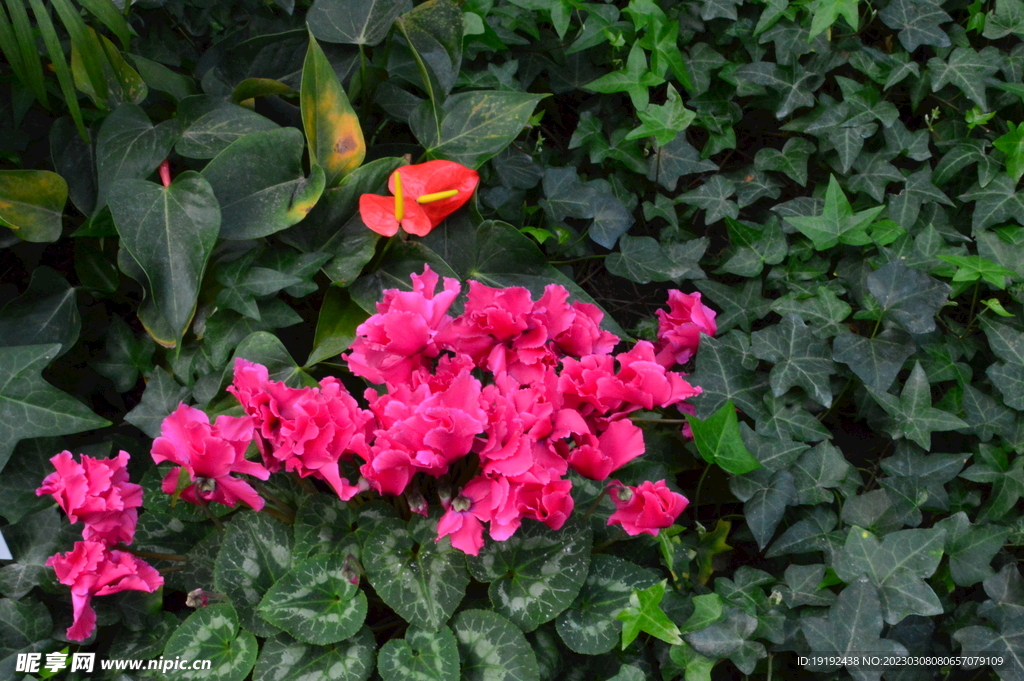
(97, 492)
(500, 401)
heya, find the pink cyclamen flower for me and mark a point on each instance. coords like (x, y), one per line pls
(463, 521)
(209, 454)
(90, 569)
(400, 338)
(646, 508)
(305, 430)
(97, 492)
(680, 327)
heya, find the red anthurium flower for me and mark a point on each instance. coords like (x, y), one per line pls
(424, 195)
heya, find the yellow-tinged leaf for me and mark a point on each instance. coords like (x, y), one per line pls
(32, 203)
(333, 133)
(123, 83)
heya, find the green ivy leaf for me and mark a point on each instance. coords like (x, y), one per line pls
(971, 547)
(493, 649)
(162, 396)
(973, 268)
(800, 359)
(696, 666)
(257, 551)
(212, 633)
(817, 470)
(1012, 144)
(918, 23)
(1006, 478)
(31, 407)
(420, 579)
(421, 655)
(765, 496)
(315, 602)
(634, 79)
(589, 626)
(897, 565)
(837, 223)
(645, 614)
(724, 372)
(877, 360)
(677, 158)
(853, 625)
(913, 417)
(968, 70)
(536, 573)
(825, 12)
(713, 196)
(791, 159)
(664, 121)
(718, 440)
(729, 638)
(1007, 18)
(46, 312)
(910, 296)
(282, 658)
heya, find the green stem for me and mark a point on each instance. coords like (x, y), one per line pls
(209, 514)
(597, 501)
(384, 251)
(580, 259)
(696, 496)
(616, 538)
(173, 557)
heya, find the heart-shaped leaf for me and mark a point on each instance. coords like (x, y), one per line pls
(212, 633)
(168, 234)
(421, 655)
(420, 579)
(536, 573)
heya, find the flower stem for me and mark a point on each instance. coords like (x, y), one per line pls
(622, 534)
(173, 557)
(209, 514)
(597, 502)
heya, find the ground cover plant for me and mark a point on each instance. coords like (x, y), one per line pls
(512, 339)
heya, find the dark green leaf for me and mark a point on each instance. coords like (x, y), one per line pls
(212, 633)
(257, 552)
(918, 23)
(536, 573)
(169, 233)
(420, 579)
(282, 658)
(722, 376)
(492, 648)
(353, 21)
(31, 407)
(259, 184)
(876, 361)
(589, 626)
(912, 415)
(800, 359)
(210, 124)
(911, 297)
(316, 601)
(421, 655)
(130, 147)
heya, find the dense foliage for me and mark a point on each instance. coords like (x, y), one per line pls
(180, 185)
